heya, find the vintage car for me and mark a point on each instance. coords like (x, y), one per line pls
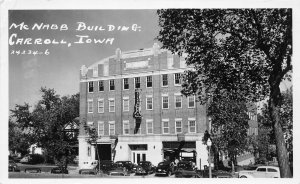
(32, 159)
(261, 172)
(90, 167)
(186, 169)
(119, 170)
(32, 170)
(165, 168)
(13, 167)
(128, 164)
(221, 174)
(106, 166)
(59, 170)
(144, 167)
(216, 174)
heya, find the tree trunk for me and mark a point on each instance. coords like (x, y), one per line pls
(96, 147)
(282, 153)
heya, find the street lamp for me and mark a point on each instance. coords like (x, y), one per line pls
(209, 159)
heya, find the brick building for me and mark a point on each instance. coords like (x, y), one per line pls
(133, 99)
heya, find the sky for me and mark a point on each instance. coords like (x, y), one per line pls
(59, 68)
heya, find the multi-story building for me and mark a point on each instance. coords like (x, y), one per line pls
(133, 100)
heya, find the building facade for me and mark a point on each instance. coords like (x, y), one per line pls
(133, 100)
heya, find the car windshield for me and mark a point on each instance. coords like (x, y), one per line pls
(184, 165)
(106, 162)
(162, 164)
(143, 163)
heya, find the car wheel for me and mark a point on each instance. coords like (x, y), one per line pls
(179, 175)
(197, 176)
(243, 177)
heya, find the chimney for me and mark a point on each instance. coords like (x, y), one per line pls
(118, 54)
(155, 49)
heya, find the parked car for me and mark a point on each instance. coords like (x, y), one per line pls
(119, 170)
(145, 167)
(106, 165)
(165, 168)
(59, 170)
(15, 158)
(13, 167)
(216, 174)
(221, 174)
(261, 172)
(89, 167)
(128, 164)
(32, 159)
(186, 169)
(33, 170)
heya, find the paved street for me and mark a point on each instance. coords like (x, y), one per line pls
(74, 174)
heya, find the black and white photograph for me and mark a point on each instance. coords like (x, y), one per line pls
(171, 92)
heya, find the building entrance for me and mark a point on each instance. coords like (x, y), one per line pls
(138, 152)
(137, 156)
(104, 151)
(183, 150)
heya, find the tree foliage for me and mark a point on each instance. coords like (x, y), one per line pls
(19, 141)
(242, 52)
(267, 133)
(229, 126)
(45, 124)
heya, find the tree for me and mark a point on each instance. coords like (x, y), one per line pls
(244, 52)
(19, 141)
(229, 126)
(286, 116)
(92, 139)
(267, 133)
(46, 122)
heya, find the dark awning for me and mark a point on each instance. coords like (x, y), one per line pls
(178, 145)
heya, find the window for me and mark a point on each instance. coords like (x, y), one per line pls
(125, 103)
(100, 106)
(261, 169)
(178, 125)
(101, 85)
(126, 83)
(95, 71)
(149, 81)
(100, 128)
(149, 123)
(91, 87)
(125, 127)
(165, 80)
(149, 103)
(177, 79)
(191, 101)
(165, 125)
(90, 106)
(192, 126)
(111, 102)
(112, 85)
(272, 170)
(89, 151)
(178, 101)
(165, 102)
(111, 128)
(137, 82)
